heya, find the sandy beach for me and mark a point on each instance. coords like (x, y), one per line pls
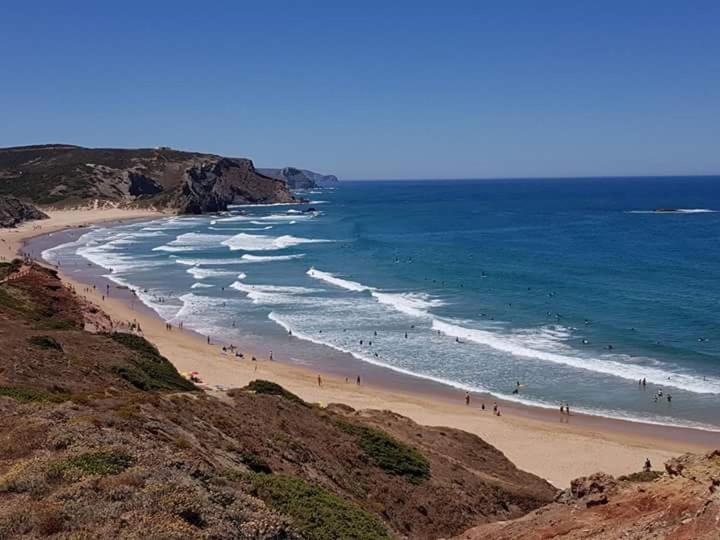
(555, 450)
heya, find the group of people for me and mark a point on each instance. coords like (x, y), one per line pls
(642, 383)
(495, 409)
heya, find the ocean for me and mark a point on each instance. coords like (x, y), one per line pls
(574, 288)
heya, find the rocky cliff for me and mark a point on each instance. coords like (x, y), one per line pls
(300, 178)
(189, 182)
(13, 211)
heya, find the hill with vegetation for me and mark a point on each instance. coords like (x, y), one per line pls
(187, 182)
(100, 437)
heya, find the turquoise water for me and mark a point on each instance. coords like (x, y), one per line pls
(573, 287)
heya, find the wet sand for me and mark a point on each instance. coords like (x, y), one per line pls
(554, 446)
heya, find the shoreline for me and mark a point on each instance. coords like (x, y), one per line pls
(580, 445)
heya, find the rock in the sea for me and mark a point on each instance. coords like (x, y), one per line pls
(13, 211)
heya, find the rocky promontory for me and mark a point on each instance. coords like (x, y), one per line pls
(13, 211)
(66, 176)
(300, 178)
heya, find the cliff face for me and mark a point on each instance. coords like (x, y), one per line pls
(300, 178)
(13, 212)
(100, 437)
(63, 176)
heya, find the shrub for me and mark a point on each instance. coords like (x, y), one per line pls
(391, 455)
(315, 512)
(95, 463)
(641, 476)
(31, 394)
(149, 370)
(261, 386)
(255, 463)
(46, 342)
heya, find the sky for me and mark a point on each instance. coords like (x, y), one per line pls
(375, 90)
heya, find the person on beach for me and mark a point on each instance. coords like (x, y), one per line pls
(495, 407)
(669, 398)
(271, 356)
(562, 408)
(467, 398)
(319, 380)
(482, 406)
(358, 380)
(648, 466)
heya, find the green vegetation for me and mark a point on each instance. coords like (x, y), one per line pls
(56, 324)
(255, 463)
(95, 463)
(46, 342)
(261, 386)
(642, 476)
(149, 370)
(391, 455)
(29, 394)
(315, 512)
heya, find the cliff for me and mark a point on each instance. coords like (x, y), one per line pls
(13, 211)
(189, 182)
(100, 437)
(300, 178)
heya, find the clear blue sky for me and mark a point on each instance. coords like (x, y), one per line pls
(389, 89)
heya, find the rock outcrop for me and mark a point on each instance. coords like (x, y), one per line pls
(682, 504)
(13, 211)
(300, 178)
(189, 182)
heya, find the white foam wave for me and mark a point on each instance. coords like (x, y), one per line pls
(412, 304)
(338, 282)
(271, 294)
(201, 286)
(249, 259)
(674, 211)
(192, 242)
(253, 242)
(241, 228)
(517, 347)
(204, 273)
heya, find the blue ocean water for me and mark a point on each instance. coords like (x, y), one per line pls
(576, 288)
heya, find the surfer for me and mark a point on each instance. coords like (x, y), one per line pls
(467, 398)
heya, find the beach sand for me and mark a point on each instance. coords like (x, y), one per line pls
(558, 452)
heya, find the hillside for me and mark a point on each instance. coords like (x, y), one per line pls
(189, 182)
(100, 437)
(300, 178)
